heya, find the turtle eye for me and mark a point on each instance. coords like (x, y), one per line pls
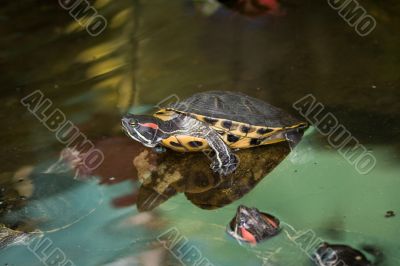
(134, 123)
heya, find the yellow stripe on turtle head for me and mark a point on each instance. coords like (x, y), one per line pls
(165, 114)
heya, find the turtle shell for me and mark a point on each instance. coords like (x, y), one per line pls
(242, 121)
(235, 106)
(236, 113)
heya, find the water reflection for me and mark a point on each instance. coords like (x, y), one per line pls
(165, 175)
(9, 237)
(161, 176)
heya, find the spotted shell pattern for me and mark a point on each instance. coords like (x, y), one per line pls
(240, 120)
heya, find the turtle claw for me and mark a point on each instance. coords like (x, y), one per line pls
(159, 149)
(227, 166)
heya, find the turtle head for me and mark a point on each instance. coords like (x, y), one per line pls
(252, 225)
(143, 128)
(246, 217)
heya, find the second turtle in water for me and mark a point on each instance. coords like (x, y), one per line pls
(338, 255)
(216, 120)
(252, 226)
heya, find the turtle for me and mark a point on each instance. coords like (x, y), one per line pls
(220, 121)
(252, 226)
(337, 254)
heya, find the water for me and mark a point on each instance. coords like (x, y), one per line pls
(154, 49)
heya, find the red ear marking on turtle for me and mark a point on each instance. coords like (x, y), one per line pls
(248, 236)
(272, 222)
(151, 125)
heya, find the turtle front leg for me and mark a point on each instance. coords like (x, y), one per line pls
(159, 149)
(224, 161)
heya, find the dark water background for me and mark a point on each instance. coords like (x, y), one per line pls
(151, 50)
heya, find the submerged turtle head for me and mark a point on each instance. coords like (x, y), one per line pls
(143, 128)
(337, 254)
(252, 226)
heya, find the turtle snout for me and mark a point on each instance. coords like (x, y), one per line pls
(129, 122)
(125, 121)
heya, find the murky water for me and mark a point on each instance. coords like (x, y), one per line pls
(153, 50)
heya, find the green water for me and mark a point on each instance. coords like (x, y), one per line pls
(154, 49)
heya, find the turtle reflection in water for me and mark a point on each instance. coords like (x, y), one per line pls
(164, 175)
